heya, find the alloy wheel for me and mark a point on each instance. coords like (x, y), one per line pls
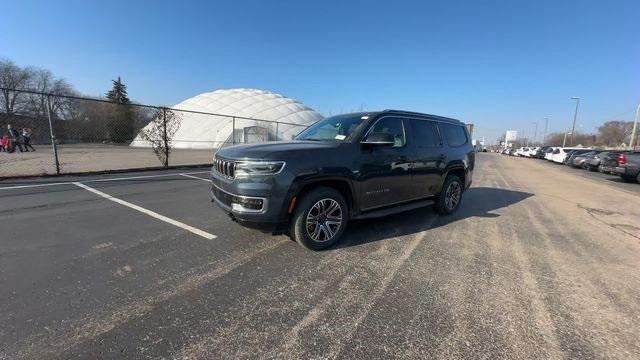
(324, 220)
(452, 195)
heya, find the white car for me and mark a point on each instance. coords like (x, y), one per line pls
(560, 154)
(532, 152)
(521, 151)
(549, 152)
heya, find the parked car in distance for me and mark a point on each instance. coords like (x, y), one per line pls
(628, 166)
(541, 152)
(549, 153)
(559, 155)
(531, 152)
(593, 163)
(344, 167)
(580, 159)
(609, 161)
(573, 153)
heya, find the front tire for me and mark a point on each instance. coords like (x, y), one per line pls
(320, 218)
(450, 196)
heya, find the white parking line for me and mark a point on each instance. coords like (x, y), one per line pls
(153, 214)
(195, 177)
(144, 177)
(101, 180)
(33, 186)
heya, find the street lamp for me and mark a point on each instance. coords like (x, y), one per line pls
(634, 136)
(575, 116)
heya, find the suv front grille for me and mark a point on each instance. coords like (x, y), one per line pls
(225, 168)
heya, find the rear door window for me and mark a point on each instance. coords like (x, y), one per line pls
(455, 134)
(425, 133)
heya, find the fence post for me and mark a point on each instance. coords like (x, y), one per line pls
(233, 130)
(53, 137)
(165, 139)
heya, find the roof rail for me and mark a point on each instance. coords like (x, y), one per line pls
(421, 114)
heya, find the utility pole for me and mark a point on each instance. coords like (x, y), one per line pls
(634, 132)
(575, 116)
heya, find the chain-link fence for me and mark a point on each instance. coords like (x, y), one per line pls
(57, 134)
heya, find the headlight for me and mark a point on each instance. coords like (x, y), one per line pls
(256, 168)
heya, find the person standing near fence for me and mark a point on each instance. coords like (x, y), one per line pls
(14, 136)
(4, 143)
(26, 138)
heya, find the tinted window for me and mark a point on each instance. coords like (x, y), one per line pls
(425, 133)
(393, 126)
(455, 135)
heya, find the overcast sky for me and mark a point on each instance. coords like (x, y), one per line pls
(498, 64)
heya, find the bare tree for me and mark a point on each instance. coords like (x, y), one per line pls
(159, 133)
(43, 81)
(615, 133)
(12, 77)
(556, 139)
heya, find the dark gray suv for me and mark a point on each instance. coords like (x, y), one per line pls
(352, 166)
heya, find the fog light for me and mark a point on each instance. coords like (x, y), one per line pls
(240, 204)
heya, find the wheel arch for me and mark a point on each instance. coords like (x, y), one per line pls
(342, 185)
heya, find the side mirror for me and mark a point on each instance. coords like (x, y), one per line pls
(379, 139)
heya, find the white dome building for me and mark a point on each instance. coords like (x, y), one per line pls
(248, 106)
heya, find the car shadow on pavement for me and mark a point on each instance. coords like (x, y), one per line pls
(476, 202)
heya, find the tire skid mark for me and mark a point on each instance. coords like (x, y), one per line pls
(230, 339)
(591, 308)
(541, 318)
(563, 329)
(391, 272)
(586, 263)
(545, 333)
(45, 345)
(595, 316)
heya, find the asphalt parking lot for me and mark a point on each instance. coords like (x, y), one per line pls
(539, 262)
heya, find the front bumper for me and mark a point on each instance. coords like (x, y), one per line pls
(622, 171)
(253, 202)
(239, 204)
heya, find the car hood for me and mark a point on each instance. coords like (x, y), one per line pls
(277, 150)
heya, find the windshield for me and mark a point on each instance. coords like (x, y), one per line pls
(335, 128)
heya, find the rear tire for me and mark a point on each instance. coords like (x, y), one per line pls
(450, 196)
(320, 218)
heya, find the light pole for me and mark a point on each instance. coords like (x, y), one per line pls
(535, 133)
(634, 132)
(544, 135)
(564, 141)
(575, 116)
